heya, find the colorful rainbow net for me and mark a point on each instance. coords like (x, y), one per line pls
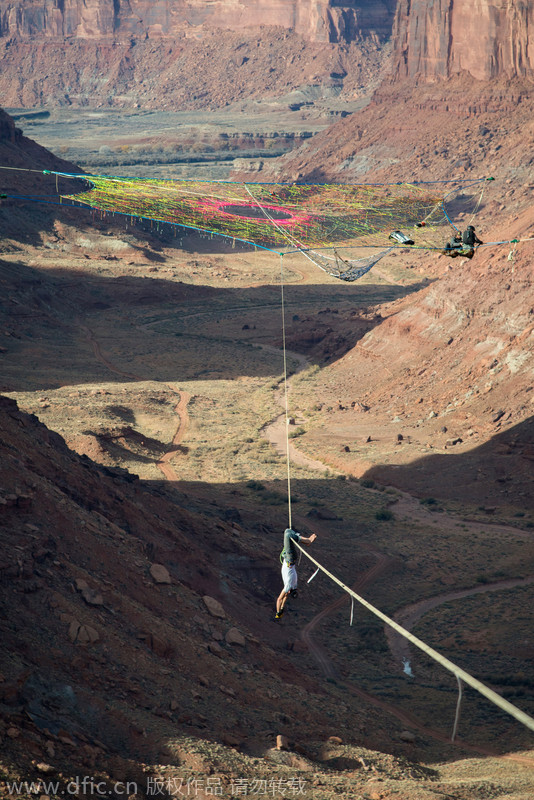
(280, 217)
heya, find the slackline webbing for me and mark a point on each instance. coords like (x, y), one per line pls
(458, 672)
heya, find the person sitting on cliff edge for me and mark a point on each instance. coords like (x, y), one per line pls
(453, 246)
(469, 240)
(462, 244)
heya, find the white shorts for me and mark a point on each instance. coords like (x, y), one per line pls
(289, 576)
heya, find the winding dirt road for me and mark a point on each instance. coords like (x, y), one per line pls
(180, 410)
(99, 355)
(322, 658)
(409, 615)
(276, 430)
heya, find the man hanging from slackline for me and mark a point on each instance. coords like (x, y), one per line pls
(288, 558)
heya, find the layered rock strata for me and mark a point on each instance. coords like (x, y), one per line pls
(318, 20)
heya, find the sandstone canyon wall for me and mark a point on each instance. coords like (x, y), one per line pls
(183, 54)
(192, 53)
(486, 39)
(317, 20)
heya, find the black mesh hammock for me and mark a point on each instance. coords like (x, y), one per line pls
(343, 268)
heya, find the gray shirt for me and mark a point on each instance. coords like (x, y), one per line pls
(290, 552)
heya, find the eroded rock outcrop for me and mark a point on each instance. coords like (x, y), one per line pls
(8, 131)
(484, 38)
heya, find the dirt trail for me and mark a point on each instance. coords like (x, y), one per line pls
(409, 615)
(302, 276)
(89, 335)
(275, 431)
(180, 410)
(411, 507)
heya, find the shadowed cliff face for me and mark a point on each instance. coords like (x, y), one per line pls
(8, 132)
(484, 38)
(326, 20)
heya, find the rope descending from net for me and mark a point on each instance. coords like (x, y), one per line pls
(286, 399)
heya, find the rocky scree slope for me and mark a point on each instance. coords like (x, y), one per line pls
(444, 386)
(110, 653)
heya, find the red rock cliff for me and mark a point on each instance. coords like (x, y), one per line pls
(318, 20)
(484, 38)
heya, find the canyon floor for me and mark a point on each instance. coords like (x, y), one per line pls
(157, 359)
(162, 358)
(190, 143)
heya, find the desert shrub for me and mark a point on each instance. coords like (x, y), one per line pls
(256, 485)
(274, 499)
(298, 432)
